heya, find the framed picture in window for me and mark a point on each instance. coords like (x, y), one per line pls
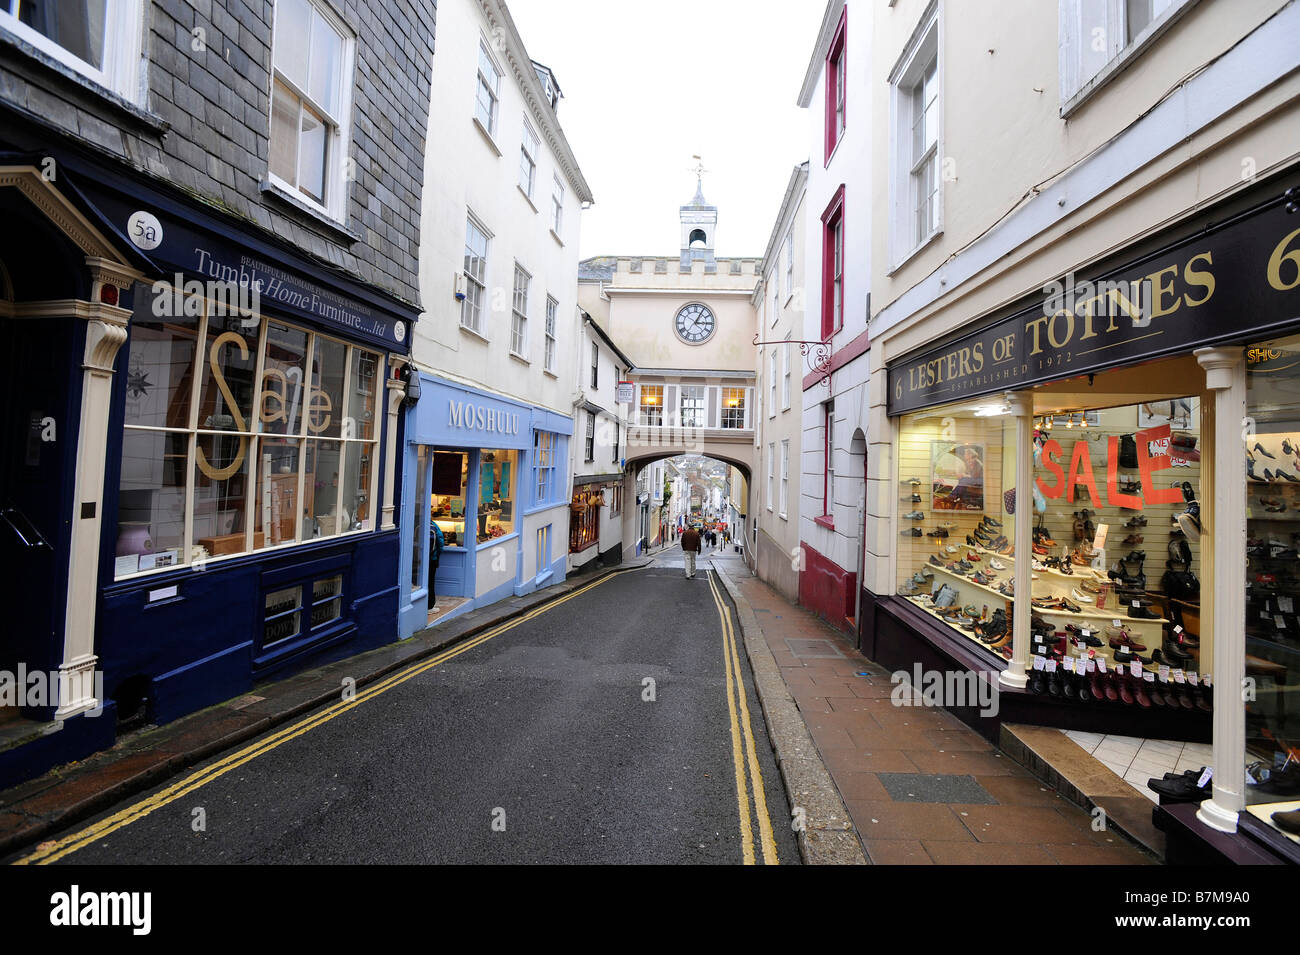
(957, 476)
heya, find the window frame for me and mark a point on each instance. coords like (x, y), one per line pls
(595, 366)
(480, 282)
(548, 352)
(657, 407)
(828, 452)
(338, 143)
(557, 204)
(589, 439)
(789, 263)
(544, 445)
(699, 414)
(772, 360)
(785, 479)
(833, 247)
(528, 158)
(519, 312)
(924, 46)
(771, 469)
(121, 72)
(729, 413)
(836, 71)
(785, 375)
(493, 89)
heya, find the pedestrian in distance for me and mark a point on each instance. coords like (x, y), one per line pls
(690, 548)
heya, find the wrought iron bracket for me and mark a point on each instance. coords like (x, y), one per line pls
(817, 353)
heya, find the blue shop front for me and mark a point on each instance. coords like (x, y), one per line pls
(218, 507)
(491, 473)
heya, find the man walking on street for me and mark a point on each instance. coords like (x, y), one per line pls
(690, 547)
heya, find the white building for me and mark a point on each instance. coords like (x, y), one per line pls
(840, 202)
(596, 509)
(487, 444)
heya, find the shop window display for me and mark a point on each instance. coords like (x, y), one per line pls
(1273, 584)
(496, 494)
(956, 465)
(1115, 543)
(450, 482)
(239, 462)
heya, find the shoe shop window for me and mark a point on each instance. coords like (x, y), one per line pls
(1116, 543)
(956, 480)
(1272, 692)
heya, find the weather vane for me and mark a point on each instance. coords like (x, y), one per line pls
(698, 168)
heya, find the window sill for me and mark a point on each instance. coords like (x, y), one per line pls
(916, 250)
(281, 195)
(825, 521)
(527, 198)
(556, 236)
(130, 109)
(520, 358)
(784, 517)
(494, 541)
(550, 374)
(487, 135)
(477, 334)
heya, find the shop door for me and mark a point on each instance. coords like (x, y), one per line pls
(37, 454)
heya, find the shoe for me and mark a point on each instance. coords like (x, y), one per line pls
(1262, 450)
(916, 499)
(937, 532)
(1136, 522)
(1279, 473)
(1142, 613)
(1119, 637)
(1288, 821)
(1131, 541)
(1182, 789)
(913, 532)
(992, 523)
(914, 516)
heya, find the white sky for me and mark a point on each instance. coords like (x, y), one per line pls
(646, 86)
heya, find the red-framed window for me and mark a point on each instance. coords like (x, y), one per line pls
(828, 474)
(836, 74)
(833, 265)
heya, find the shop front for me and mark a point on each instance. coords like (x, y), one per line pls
(204, 509)
(595, 521)
(1084, 453)
(490, 473)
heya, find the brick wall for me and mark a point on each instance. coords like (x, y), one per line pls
(206, 123)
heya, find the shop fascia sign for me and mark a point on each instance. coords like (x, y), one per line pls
(1237, 279)
(466, 415)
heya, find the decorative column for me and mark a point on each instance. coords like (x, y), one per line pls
(1021, 404)
(106, 327)
(395, 388)
(1224, 531)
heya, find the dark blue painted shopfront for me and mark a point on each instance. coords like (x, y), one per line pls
(258, 545)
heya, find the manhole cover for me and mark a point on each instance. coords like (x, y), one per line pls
(813, 648)
(935, 787)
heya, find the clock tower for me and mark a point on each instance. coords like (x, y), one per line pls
(699, 222)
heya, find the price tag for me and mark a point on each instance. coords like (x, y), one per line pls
(1069, 664)
(1205, 777)
(1164, 673)
(1039, 662)
(1135, 668)
(1286, 605)
(1085, 633)
(1178, 629)
(1279, 621)
(1051, 666)
(1263, 615)
(1092, 665)
(1137, 603)
(1205, 678)
(1101, 664)
(1149, 677)
(1117, 622)
(1179, 677)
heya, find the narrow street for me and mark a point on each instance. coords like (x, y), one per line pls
(536, 744)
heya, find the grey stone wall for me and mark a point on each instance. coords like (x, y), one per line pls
(206, 124)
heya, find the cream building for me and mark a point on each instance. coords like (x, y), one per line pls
(1088, 218)
(688, 325)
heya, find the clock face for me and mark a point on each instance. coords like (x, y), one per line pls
(695, 324)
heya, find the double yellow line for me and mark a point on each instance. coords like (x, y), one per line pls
(742, 746)
(57, 849)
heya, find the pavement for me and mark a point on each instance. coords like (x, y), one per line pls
(919, 786)
(592, 729)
